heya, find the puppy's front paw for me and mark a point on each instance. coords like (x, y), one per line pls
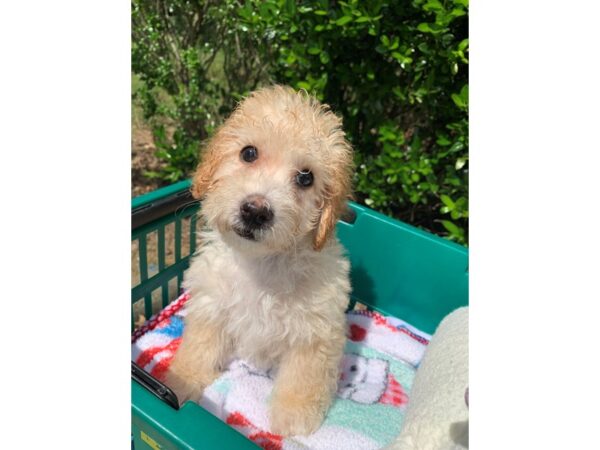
(184, 389)
(291, 416)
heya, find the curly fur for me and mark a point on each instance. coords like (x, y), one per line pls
(278, 301)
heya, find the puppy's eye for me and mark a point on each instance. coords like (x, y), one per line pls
(249, 154)
(304, 178)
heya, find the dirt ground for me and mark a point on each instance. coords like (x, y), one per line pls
(143, 159)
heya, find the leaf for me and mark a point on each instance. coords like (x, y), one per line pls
(324, 57)
(464, 94)
(432, 28)
(447, 201)
(433, 5)
(162, 154)
(456, 147)
(291, 58)
(424, 27)
(401, 58)
(152, 174)
(457, 99)
(343, 20)
(460, 163)
(443, 141)
(320, 12)
(457, 12)
(424, 48)
(362, 19)
(452, 228)
(314, 50)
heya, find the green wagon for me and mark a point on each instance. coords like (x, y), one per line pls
(396, 269)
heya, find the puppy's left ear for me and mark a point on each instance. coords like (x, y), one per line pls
(335, 203)
(325, 226)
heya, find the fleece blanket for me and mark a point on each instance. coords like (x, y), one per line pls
(377, 371)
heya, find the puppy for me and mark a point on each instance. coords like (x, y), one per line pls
(269, 283)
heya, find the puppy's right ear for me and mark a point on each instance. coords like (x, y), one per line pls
(210, 159)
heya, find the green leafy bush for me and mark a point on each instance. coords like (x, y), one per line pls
(395, 71)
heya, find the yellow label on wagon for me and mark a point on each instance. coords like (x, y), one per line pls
(151, 442)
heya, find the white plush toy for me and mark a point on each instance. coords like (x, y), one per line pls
(437, 416)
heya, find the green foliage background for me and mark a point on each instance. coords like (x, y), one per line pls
(396, 71)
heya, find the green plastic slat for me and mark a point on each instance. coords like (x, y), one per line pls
(148, 305)
(179, 281)
(144, 274)
(143, 258)
(165, 294)
(157, 280)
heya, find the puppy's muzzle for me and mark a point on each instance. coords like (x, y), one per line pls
(256, 213)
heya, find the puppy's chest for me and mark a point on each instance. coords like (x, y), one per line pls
(260, 317)
(264, 322)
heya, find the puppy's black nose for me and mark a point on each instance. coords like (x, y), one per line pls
(256, 212)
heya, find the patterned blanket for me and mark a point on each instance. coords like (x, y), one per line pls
(377, 371)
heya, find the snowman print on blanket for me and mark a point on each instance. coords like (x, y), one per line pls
(363, 380)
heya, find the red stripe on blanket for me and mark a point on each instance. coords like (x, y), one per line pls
(161, 367)
(266, 440)
(238, 419)
(262, 438)
(147, 355)
(394, 394)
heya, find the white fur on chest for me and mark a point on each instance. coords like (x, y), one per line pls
(267, 304)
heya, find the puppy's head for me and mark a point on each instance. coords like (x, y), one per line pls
(276, 173)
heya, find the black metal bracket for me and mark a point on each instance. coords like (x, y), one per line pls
(154, 386)
(159, 208)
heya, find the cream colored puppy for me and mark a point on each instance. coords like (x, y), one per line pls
(270, 283)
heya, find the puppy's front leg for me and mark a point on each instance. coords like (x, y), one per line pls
(305, 386)
(198, 360)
